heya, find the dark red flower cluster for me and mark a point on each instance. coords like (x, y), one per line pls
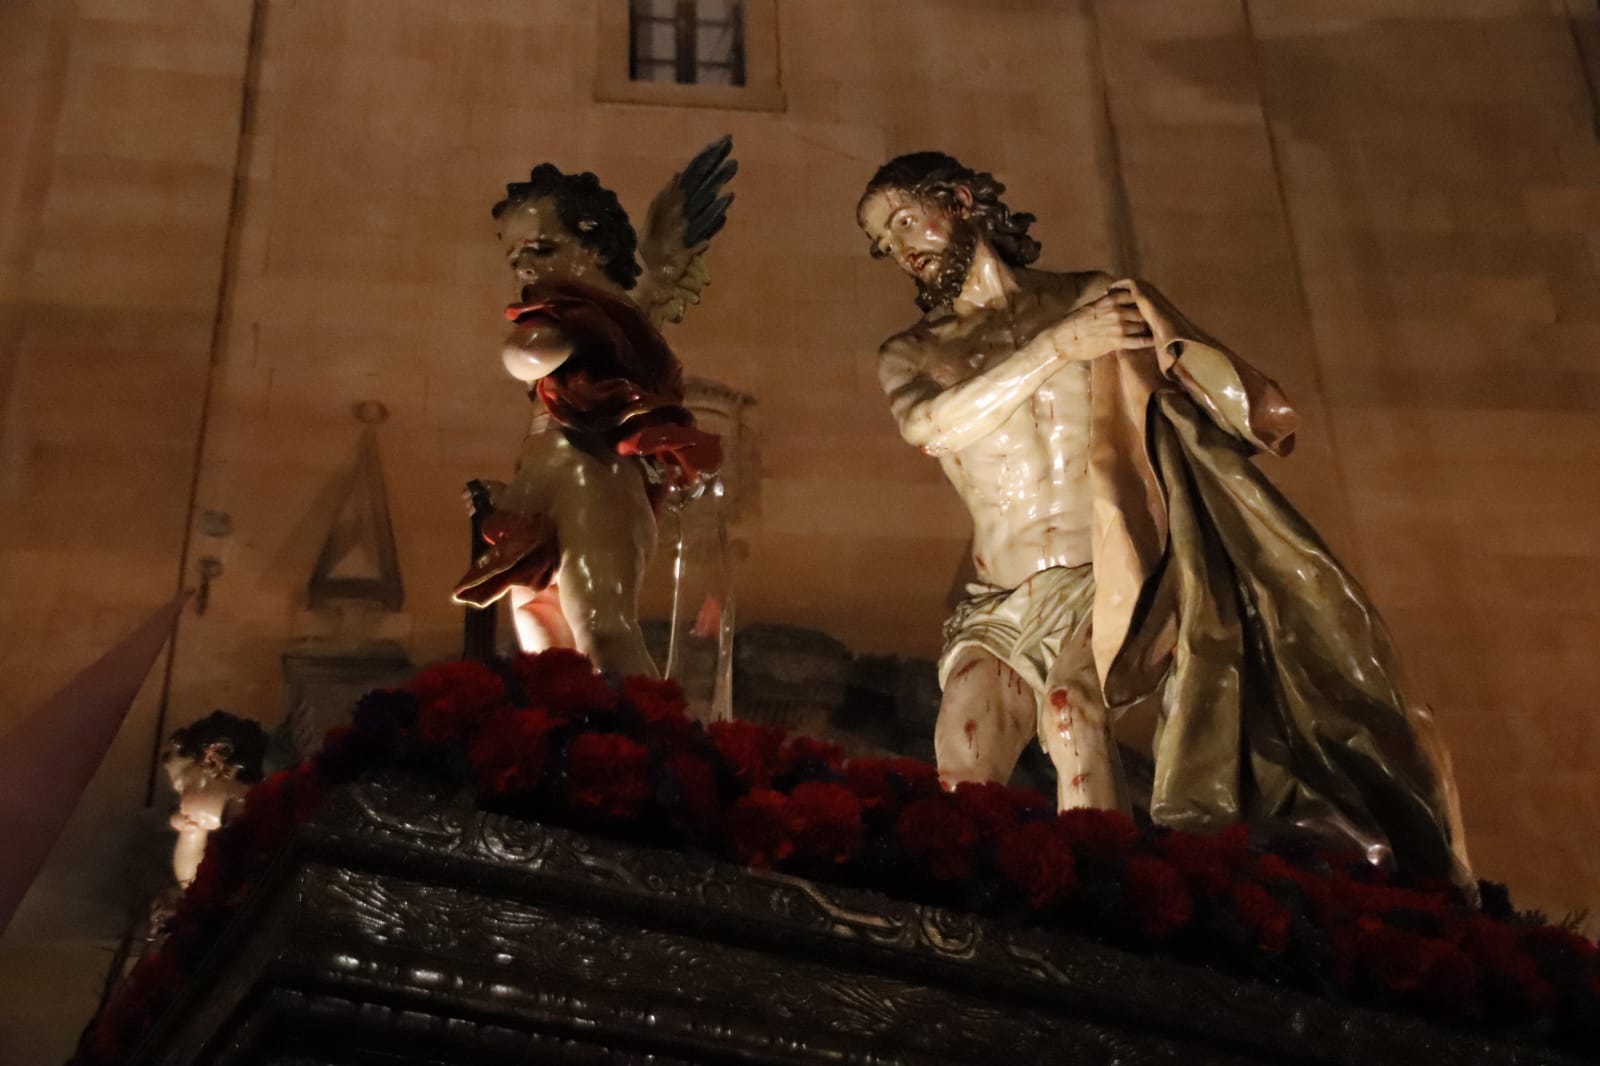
(885, 786)
(825, 824)
(938, 838)
(453, 699)
(749, 750)
(607, 776)
(1036, 857)
(758, 828)
(563, 682)
(547, 738)
(509, 750)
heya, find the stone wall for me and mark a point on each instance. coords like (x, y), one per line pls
(224, 224)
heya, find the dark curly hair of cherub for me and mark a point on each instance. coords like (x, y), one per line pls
(244, 737)
(934, 175)
(589, 210)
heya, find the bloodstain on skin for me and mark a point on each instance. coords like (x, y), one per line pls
(1058, 700)
(967, 669)
(971, 730)
(979, 560)
(1079, 779)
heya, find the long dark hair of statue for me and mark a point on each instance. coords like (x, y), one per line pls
(936, 175)
(588, 209)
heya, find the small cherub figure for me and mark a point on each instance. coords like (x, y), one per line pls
(211, 764)
(610, 439)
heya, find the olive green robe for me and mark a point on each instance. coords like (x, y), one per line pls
(1278, 688)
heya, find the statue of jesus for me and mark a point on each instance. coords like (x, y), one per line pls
(1127, 550)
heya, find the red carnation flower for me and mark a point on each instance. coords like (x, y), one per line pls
(937, 837)
(917, 778)
(992, 806)
(662, 708)
(887, 784)
(154, 976)
(1097, 833)
(825, 821)
(508, 752)
(306, 792)
(654, 699)
(758, 828)
(1036, 859)
(1393, 959)
(453, 698)
(1450, 985)
(144, 992)
(1158, 900)
(1507, 974)
(697, 807)
(1261, 913)
(1380, 899)
(869, 780)
(1274, 869)
(563, 682)
(750, 750)
(211, 884)
(1206, 862)
(272, 809)
(804, 753)
(607, 776)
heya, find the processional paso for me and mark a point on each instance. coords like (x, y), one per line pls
(1127, 551)
(567, 540)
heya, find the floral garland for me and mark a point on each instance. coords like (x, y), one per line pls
(546, 738)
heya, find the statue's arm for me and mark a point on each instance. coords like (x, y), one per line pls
(940, 419)
(944, 419)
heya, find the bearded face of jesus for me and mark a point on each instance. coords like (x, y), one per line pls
(931, 242)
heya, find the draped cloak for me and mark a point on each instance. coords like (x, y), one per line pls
(620, 392)
(1278, 689)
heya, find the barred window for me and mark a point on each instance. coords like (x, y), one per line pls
(690, 42)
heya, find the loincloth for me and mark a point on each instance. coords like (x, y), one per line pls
(1026, 627)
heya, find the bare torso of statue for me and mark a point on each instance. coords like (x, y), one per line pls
(994, 381)
(1128, 581)
(1026, 482)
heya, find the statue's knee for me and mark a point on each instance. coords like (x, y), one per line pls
(1071, 709)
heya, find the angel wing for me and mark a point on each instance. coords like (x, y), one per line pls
(683, 218)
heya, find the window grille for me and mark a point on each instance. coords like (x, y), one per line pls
(690, 42)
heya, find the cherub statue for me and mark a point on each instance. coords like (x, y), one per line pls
(610, 440)
(1127, 550)
(211, 764)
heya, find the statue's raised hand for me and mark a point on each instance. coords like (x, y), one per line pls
(1113, 323)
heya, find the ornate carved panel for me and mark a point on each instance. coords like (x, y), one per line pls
(403, 929)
